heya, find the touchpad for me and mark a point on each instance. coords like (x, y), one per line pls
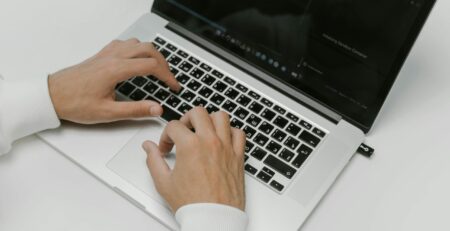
(130, 162)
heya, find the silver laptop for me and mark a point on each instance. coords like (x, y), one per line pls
(304, 79)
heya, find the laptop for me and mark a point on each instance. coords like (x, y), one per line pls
(303, 79)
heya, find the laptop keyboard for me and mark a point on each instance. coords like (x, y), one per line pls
(279, 142)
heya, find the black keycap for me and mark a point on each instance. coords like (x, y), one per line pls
(160, 41)
(162, 84)
(229, 81)
(279, 135)
(264, 176)
(309, 138)
(183, 78)
(267, 102)
(277, 186)
(151, 88)
(268, 114)
(292, 143)
(174, 70)
(165, 53)
(280, 166)
(197, 73)
(235, 123)
(139, 81)
(217, 74)
(243, 100)
(261, 139)
(151, 98)
(299, 160)
(318, 132)
(241, 113)
(177, 93)
(182, 54)
(245, 158)
(279, 109)
(184, 108)
(242, 88)
(293, 129)
(194, 60)
(156, 46)
(162, 94)
(186, 67)
(256, 107)
(118, 85)
(171, 47)
(208, 80)
(200, 102)
(250, 169)
(126, 88)
(229, 106)
(194, 85)
(169, 114)
(217, 99)
(266, 128)
(280, 122)
(273, 147)
(173, 101)
(268, 171)
(248, 146)
(304, 150)
(188, 96)
(305, 124)
(174, 60)
(249, 132)
(152, 78)
(292, 117)
(138, 95)
(254, 95)
(211, 108)
(258, 153)
(220, 86)
(231, 93)
(287, 155)
(254, 120)
(205, 92)
(205, 67)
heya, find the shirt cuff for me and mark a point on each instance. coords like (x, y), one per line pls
(211, 217)
(26, 108)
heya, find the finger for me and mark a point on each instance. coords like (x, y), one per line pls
(199, 119)
(131, 110)
(238, 140)
(132, 41)
(174, 133)
(157, 166)
(221, 122)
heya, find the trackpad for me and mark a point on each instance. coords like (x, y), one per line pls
(130, 162)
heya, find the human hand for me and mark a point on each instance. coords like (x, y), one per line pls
(209, 164)
(85, 93)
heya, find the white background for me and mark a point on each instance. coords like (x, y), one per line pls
(404, 187)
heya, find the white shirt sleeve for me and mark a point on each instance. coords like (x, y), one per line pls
(25, 108)
(211, 217)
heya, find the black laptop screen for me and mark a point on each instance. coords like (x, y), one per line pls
(343, 53)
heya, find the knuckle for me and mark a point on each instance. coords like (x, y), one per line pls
(198, 110)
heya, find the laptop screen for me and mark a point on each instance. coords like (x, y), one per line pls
(343, 53)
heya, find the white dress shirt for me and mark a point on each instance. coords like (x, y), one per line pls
(32, 111)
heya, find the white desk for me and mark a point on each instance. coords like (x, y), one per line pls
(405, 187)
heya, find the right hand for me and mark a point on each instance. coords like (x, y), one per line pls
(209, 164)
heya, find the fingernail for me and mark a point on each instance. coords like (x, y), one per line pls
(156, 110)
(146, 146)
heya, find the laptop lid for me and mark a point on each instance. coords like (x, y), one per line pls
(344, 54)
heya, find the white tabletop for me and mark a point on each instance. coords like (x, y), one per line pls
(404, 187)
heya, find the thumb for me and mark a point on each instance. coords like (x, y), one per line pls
(138, 109)
(158, 167)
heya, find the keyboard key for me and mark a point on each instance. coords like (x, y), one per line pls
(254, 95)
(197, 73)
(231, 93)
(249, 132)
(235, 123)
(173, 101)
(151, 98)
(188, 96)
(220, 86)
(162, 94)
(280, 166)
(208, 80)
(139, 81)
(293, 117)
(183, 78)
(118, 85)
(205, 67)
(182, 54)
(266, 128)
(254, 120)
(266, 102)
(292, 143)
(200, 102)
(242, 88)
(268, 114)
(319, 132)
(177, 93)
(287, 155)
(248, 146)
(264, 177)
(243, 100)
(186, 67)
(230, 81)
(277, 186)
(169, 114)
(250, 169)
(184, 108)
(217, 99)
(174, 60)
(152, 78)
(126, 88)
(211, 108)
(217, 74)
(309, 138)
(293, 129)
(162, 84)
(245, 158)
(229, 106)
(279, 135)
(273, 147)
(165, 53)
(259, 153)
(261, 139)
(171, 47)
(280, 122)
(279, 109)
(299, 160)
(151, 88)
(256, 107)
(138, 95)
(174, 70)
(305, 124)
(268, 171)
(194, 85)
(205, 92)
(160, 41)
(156, 46)
(304, 150)
(194, 60)
(241, 113)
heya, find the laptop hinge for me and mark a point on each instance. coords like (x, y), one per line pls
(261, 75)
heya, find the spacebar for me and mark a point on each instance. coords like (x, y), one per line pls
(169, 114)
